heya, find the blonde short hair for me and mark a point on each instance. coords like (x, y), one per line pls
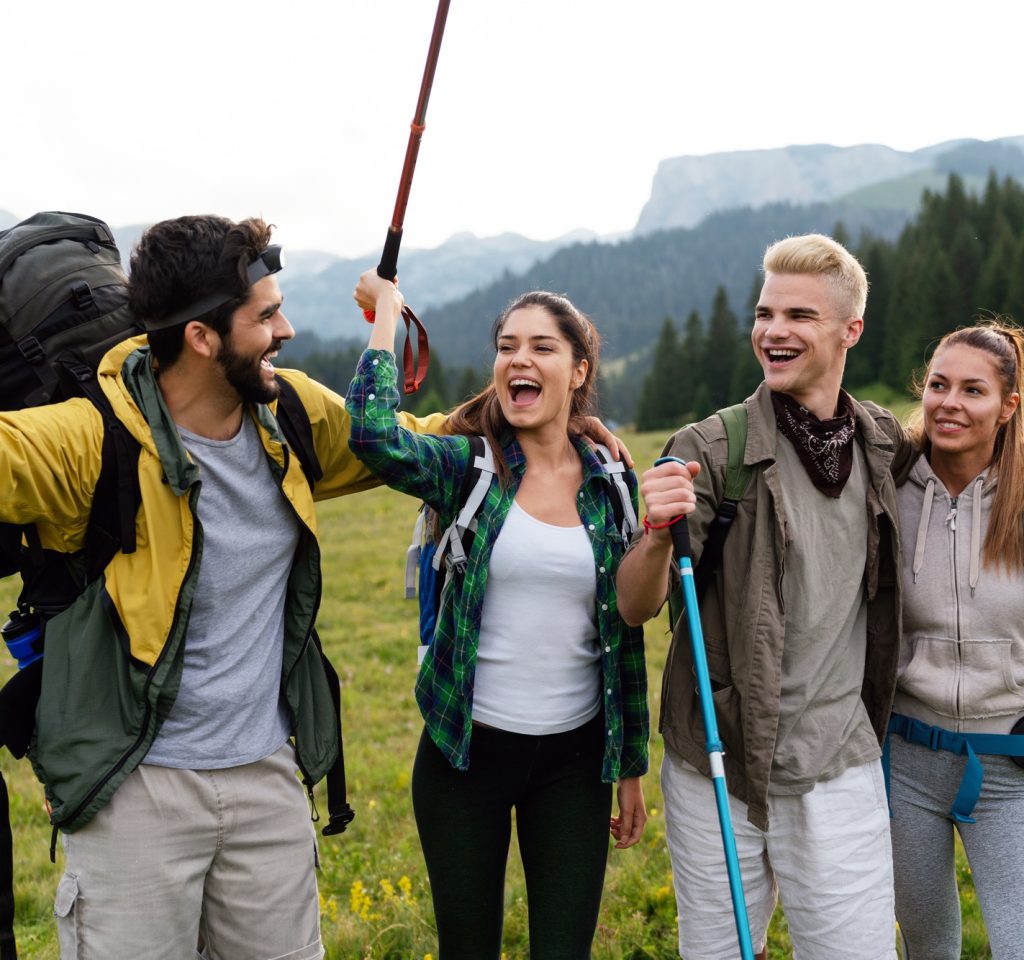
(817, 254)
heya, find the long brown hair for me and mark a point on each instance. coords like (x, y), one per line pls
(1001, 339)
(482, 413)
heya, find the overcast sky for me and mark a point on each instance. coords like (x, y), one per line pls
(546, 115)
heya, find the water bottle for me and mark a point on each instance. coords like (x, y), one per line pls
(23, 634)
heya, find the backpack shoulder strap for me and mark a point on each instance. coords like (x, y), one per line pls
(737, 473)
(117, 496)
(737, 479)
(297, 430)
(625, 516)
(475, 485)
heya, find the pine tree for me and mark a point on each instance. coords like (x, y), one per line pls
(720, 356)
(660, 405)
(693, 349)
(999, 268)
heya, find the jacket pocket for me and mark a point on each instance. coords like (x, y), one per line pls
(65, 910)
(933, 674)
(992, 681)
(719, 666)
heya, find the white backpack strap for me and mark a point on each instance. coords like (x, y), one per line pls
(616, 470)
(485, 464)
(450, 548)
(412, 555)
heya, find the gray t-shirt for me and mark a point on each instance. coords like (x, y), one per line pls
(823, 725)
(229, 709)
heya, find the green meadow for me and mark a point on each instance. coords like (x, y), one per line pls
(374, 893)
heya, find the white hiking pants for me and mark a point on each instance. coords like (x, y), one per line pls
(827, 854)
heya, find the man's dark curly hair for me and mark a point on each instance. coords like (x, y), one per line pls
(181, 261)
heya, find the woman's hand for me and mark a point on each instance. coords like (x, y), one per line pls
(385, 299)
(628, 826)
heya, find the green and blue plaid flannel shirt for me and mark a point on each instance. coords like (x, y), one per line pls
(432, 468)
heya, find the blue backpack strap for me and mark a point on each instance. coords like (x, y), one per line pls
(963, 744)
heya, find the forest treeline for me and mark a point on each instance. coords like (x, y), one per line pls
(961, 257)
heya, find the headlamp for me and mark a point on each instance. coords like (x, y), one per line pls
(269, 261)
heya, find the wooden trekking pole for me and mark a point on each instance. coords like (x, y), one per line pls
(388, 266)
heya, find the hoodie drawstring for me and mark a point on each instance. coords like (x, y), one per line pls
(975, 568)
(974, 572)
(922, 527)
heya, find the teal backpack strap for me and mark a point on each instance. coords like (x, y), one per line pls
(967, 745)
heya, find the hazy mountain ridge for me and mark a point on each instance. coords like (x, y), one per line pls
(320, 299)
(867, 186)
(631, 286)
(686, 189)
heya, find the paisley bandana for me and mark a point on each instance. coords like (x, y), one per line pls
(825, 447)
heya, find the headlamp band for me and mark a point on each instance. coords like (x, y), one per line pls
(269, 261)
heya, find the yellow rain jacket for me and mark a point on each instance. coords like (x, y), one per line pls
(114, 658)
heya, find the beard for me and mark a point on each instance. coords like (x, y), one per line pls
(245, 373)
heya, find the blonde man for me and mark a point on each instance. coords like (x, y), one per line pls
(801, 629)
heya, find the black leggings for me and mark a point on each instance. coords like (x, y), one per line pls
(464, 821)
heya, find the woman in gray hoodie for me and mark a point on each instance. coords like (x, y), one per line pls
(960, 691)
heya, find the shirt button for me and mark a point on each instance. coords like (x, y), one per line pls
(607, 649)
(590, 526)
(600, 569)
(604, 606)
(580, 494)
(610, 733)
(609, 691)
(375, 362)
(371, 396)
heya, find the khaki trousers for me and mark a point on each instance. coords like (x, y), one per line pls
(185, 864)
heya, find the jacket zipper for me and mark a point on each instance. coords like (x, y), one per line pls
(951, 520)
(147, 711)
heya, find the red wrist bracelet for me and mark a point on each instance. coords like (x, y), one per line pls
(661, 526)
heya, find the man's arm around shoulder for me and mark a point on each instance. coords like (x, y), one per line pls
(331, 425)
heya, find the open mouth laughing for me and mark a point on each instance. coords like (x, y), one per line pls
(779, 356)
(523, 391)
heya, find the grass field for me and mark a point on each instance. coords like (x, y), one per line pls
(375, 898)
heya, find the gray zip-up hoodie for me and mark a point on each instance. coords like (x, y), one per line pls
(962, 652)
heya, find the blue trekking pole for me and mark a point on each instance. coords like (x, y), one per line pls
(684, 557)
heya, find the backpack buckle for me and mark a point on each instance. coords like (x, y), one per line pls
(83, 373)
(81, 294)
(455, 566)
(32, 350)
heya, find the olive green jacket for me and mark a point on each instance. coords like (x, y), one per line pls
(743, 614)
(113, 660)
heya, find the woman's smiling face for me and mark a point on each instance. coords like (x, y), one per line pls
(535, 373)
(963, 403)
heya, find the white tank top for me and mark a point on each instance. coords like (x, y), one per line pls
(538, 661)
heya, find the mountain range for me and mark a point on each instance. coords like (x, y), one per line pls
(704, 225)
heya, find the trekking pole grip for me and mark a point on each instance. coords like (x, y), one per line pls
(679, 530)
(388, 266)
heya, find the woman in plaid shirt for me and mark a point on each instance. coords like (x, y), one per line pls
(533, 690)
